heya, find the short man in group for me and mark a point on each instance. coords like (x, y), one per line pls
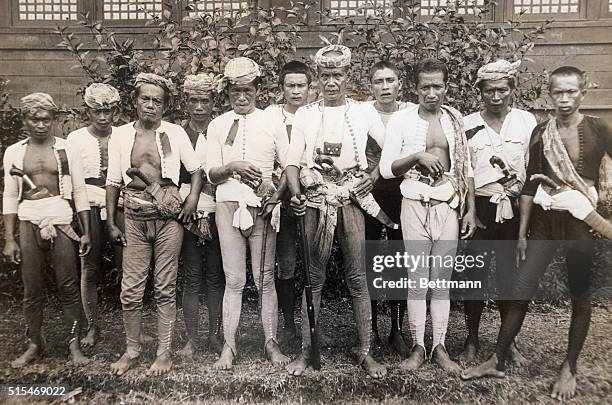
(156, 149)
(295, 78)
(241, 152)
(333, 132)
(568, 149)
(498, 137)
(426, 145)
(47, 174)
(198, 91)
(91, 142)
(386, 85)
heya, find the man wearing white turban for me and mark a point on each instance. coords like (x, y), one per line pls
(91, 142)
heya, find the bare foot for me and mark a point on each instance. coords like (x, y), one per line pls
(373, 368)
(32, 353)
(215, 343)
(565, 385)
(188, 351)
(92, 337)
(398, 344)
(440, 357)
(161, 365)
(297, 366)
(123, 364)
(226, 359)
(76, 356)
(486, 369)
(517, 357)
(470, 349)
(275, 355)
(415, 360)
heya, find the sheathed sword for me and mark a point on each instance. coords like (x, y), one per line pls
(315, 356)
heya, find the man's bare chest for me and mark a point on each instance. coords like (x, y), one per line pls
(39, 160)
(145, 150)
(435, 138)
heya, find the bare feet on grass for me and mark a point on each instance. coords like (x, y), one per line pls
(226, 360)
(297, 366)
(76, 356)
(32, 353)
(517, 357)
(275, 355)
(564, 387)
(188, 351)
(398, 344)
(161, 365)
(440, 357)
(91, 339)
(373, 368)
(415, 359)
(123, 364)
(486, 369)
(470, 349)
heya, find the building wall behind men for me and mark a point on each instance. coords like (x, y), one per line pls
(31, 60)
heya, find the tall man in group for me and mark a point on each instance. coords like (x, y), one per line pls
(295, 78)
(40, 205)
(327, 163)
(155, 149)
(241, 152)
(426, 145)
(101, 101)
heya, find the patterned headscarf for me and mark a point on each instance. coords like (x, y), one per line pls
(500, 69)
(328, 56)
(241, 70)
(200, 84)
(152, 78)
(101, 95)
(38, 101)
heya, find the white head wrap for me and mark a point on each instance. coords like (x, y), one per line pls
(101, 95)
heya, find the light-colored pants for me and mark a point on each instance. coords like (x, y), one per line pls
(429, 231)
(160, 239)
(233, 251)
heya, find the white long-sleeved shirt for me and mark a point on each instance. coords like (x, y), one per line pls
(311, 128)
(512, 142)
(407, 134)
(179, 151)
(69, 172)
(255, 142)
(89, 147)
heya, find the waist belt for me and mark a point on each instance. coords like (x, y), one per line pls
(420, 191)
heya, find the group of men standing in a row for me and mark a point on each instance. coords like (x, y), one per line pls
(208, 189)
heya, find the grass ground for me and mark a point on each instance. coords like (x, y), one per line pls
(254, 380)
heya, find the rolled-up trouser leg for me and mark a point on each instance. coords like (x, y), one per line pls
(215, 282)
(351, 234)
(269, 307)
(65, 264)
(90, 268)
(233, 251)
(32, 273)
(136, 259)
(318, 263)
(166, 251)
(193, 268)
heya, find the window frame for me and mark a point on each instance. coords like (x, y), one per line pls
(580, 16)
(16, 22)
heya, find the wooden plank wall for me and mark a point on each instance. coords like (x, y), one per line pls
(31, 60)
